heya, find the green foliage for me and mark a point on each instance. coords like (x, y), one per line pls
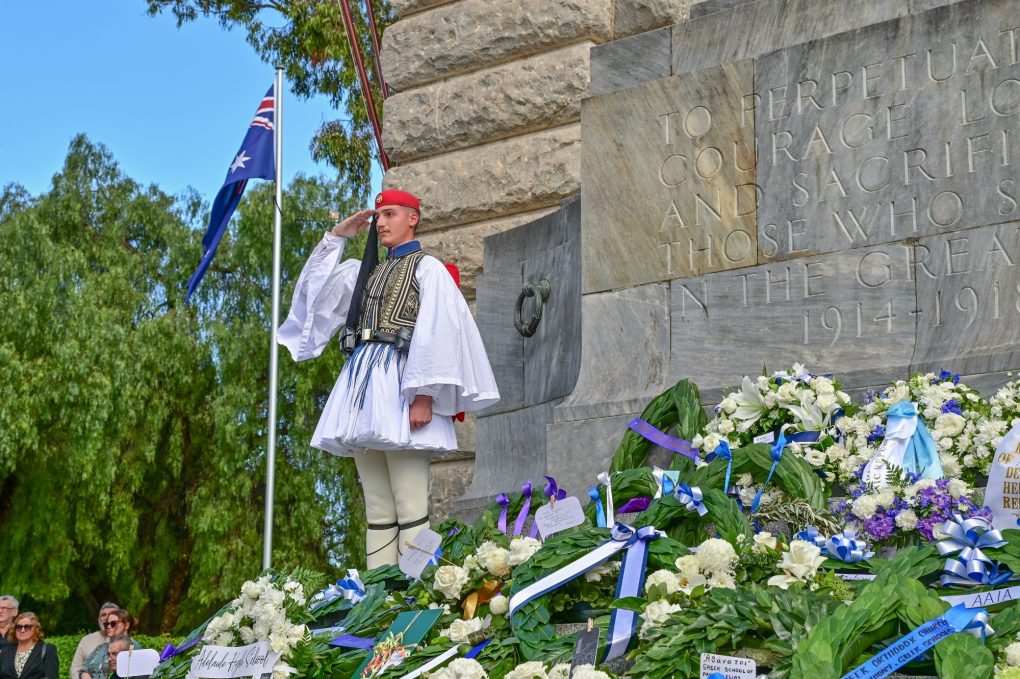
(132, 428)
(680, 407)
(308, 40)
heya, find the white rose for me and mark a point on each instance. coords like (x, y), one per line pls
(711, 442)
(465, 668)
(494, 559)
(823, 385)
(528, 670)
(726, 426)
(787, 392)
(662, 577)
(522, 549)
(906, 520)
(728, 405)
(450, 580)
(885, 498)
(716, 555)
(814, 457)
(688, 564)
(802, 560)
(764, 541)
(658, 612)
(458, 631)
(826, 402)
(499, 604)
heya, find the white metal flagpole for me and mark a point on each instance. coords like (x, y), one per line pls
(267, 543)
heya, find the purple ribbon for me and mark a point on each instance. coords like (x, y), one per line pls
(170, 650)
(662, 439)
(503, 500)
(634, 505)
(351, 641)
(523, 514)
(551, 491)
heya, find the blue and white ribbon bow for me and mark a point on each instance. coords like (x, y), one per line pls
(664, 484)
(622, 623)
(350, 588)
(843, 546)
(723, 451)
(690, 497)
(971, 567)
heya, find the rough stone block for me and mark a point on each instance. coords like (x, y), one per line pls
(899, 130)
(851, 313)
(463, 245)
(668, 179)
(625, 357)
(449, 479)
(580, 450)
(402, 8)
(473, 34)
(755, 28)
(523, 96)
(630, 61)
(969, 296)
(702, 8)
(518, 175)
(637, 16)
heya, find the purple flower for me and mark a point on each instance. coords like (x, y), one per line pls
(879, 527)
(870, 395)
(952, 406)
(877, 433)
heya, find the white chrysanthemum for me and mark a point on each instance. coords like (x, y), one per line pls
(950, 465)
(1013, 654)
(885, 498)
(528, 670)
(461, 668)
(865, 506)
(814, 457)
(450, 580)
(224, 639)
(522, 549)
(665, 578)
(906, 520)
(588, 672)
(716, 555)
(499, 605)
(251, 590)
(494, 559)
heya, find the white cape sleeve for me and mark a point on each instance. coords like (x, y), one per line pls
(321, 299)
(447, 358)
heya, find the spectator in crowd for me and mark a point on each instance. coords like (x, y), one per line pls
(90, 642)
(118, 644)
(8, 611)
(31, 657)
(118, 622)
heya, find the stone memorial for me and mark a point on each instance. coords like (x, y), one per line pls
(780, 181)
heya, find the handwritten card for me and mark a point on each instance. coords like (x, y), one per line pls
(418, 554)
(729, 666)
(552, 518)
(226, 662)
(765, 438)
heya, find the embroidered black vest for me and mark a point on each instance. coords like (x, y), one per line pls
(392, 297)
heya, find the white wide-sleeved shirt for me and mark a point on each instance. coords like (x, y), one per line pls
(368, 407)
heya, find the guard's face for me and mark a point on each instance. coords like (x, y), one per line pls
(396, 225)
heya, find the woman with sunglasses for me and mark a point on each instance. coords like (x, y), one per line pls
(31, 657)
(97, 666)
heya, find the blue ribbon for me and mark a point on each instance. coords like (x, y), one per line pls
(843, 546)
(660, 438)
(434, 561)
(623, 622)
(971, 566)
(959, 618)
(782, 440)
(600, 511)
(921, 456)
(690, 497)
(525, 509)
(504, 501)
(351, 641)
(478, 648)
(811, 534)
(350, 587)
(723, 451)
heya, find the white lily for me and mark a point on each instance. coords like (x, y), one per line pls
(750, 405)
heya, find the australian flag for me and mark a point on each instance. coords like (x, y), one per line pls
(253, 161)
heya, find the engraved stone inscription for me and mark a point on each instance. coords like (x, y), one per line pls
(968, 288)
(899, 130)
(852, 313)
(668, 179)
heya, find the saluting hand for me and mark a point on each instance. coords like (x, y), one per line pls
(353, 225)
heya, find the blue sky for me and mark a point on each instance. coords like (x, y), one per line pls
(172, 105)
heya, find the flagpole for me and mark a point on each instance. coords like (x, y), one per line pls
(267, 546)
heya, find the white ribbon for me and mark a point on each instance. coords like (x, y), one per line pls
(605, 479)
(434, 663)
(657, 474)
(1007, 457)
(890, 454)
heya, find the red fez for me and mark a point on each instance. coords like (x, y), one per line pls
(393, 197)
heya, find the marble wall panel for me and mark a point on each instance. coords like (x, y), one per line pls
(668, 179)
(850, 313)
(968, 288)
(899, 130)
